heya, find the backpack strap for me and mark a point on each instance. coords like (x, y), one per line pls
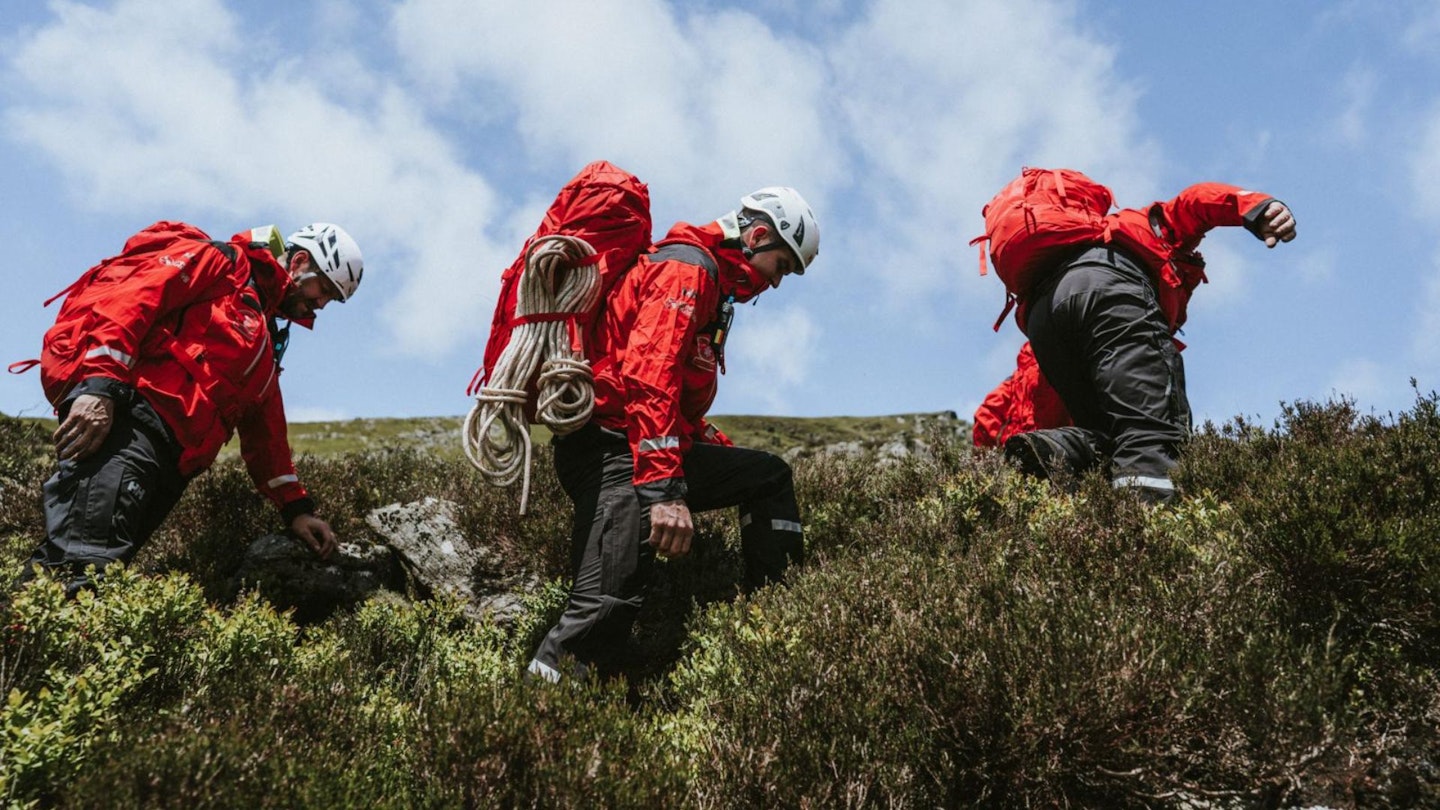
(225, 248)
(688, 254)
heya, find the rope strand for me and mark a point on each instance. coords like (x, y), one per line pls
(557, 279)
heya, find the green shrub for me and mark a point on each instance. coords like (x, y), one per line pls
(959, 635)
(538, 745)
(75, 672)
(394, 706)
(1102, 654)
(24, 461)
(1344, 510)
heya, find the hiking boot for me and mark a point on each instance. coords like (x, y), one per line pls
(1035, 455)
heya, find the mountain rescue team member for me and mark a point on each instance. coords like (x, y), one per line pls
(169, 371)
(1024, 402)
(648, 458)
(1102, 325)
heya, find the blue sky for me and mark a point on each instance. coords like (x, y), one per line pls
(436, 131)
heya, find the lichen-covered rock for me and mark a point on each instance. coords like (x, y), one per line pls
(289, 574)
(441, 560)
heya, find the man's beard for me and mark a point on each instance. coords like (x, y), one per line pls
(294, 306)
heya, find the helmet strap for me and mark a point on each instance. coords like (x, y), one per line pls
(279, 338)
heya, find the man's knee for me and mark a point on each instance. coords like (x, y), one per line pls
(775, 472)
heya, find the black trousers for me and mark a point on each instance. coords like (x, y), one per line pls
(101, 509)
(609, 553)
(1103, 343)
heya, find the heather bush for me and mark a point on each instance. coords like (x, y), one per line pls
(395, 705)
(24, 450)
(74, 671)
(959, 636)
(1343, 509)
(1072, 662)
(531, 744)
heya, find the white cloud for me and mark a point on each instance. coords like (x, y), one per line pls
(771, 350)
(1425, 166)
(1239, 267)
(1425, 341)
(704, 107)
(897, 123)
(167, 114)
(1422, 34)
(1356, 95)
(1228, 271)
(1362, 380)
(1316, 267)
(945, 102)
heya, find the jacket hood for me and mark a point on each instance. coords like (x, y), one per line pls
(737, 276)
(272, 280)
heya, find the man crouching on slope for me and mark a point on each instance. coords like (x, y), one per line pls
(157, 357)
(648, 458)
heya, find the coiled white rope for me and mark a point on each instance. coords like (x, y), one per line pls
(496, 436)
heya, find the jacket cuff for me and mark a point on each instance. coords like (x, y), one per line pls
(107, 387)
(296, 508)
(666, 489)
(1251, 218)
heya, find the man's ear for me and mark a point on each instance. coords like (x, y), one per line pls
(758, 232)
(299, 261)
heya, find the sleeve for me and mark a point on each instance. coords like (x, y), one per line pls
(709, 434)
(265, 447)
(184, 272)
(1203, 206)
(990, 417)
(665, 327)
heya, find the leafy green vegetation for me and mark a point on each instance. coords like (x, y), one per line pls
(959, 636)
(440, 435)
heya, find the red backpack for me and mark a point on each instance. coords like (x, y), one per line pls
(1035, 220)
(99, 288)
(604, 205)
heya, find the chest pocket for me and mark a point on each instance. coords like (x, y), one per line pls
(703, 356)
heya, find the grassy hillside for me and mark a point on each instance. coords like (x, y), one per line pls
(958, 636)
(776, 434)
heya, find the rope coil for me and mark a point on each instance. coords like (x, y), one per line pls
(560, 278)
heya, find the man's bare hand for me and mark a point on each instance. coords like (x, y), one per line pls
(316, 533)
(1279, 224)
(671, 528)
(85, 427)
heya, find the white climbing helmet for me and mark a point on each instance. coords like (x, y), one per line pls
(794, 221)
(333, 253)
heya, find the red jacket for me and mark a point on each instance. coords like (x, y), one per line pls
(190, 334)
(1165, 236)
(1025, 401)
(655, 367)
